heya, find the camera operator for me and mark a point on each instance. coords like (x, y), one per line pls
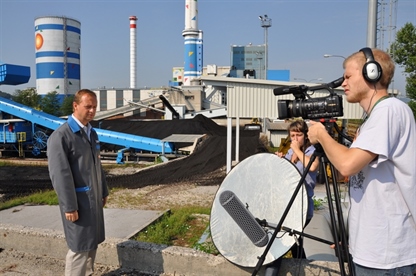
(299, 154)
(381, 165)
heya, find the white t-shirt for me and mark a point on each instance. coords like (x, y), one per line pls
(382, 227)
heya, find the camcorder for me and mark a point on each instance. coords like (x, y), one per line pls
(310, 108)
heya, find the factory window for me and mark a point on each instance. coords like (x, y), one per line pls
(249, 63)
(249, 72)
(103, 99)
(119, 98)
(249, 59)
(136, 95)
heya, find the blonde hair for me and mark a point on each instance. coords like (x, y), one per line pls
(383, 58)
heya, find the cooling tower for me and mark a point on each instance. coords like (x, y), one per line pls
(58, 45)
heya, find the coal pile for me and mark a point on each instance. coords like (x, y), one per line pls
(199, 167)
(205, 166)
(23, 180)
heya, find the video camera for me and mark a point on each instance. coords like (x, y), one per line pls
(310, 108)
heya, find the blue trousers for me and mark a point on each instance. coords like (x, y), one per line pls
(409, 270)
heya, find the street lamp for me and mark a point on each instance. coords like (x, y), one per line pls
(318, 79)
(266, 22)
(328, 56)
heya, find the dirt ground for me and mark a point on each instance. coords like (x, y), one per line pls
(192, 180)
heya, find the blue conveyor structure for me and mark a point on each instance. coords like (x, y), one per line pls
(11, 74)
(105, 136)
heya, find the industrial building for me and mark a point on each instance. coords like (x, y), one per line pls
(241, 91)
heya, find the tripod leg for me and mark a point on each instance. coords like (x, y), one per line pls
(332, 217)
(342, 230)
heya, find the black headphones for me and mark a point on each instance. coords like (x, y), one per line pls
(372, 70)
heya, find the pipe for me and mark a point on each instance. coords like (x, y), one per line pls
(169, 106)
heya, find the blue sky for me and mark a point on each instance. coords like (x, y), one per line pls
(301, 33)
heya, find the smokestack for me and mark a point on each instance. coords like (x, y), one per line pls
(193, 43)
(372, 23)
(133, 20)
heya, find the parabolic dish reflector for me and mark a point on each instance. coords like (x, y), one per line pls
(264, 183)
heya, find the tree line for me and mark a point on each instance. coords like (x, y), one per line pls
(52, 103)
(403, 51)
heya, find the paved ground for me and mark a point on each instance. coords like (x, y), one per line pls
(119, 223)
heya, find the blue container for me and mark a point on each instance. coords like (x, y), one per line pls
(14, 74)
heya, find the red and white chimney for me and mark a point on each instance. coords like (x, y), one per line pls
(133, 20)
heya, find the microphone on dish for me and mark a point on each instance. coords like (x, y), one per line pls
(244, 219)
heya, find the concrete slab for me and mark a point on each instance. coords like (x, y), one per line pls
(321, 228)
(119, 223)
(315, 250)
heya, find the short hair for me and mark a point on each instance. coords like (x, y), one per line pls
(300, 126)
(383, 58)
(82, 92)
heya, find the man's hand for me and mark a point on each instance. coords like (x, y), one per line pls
(314, 129)
(72, 216)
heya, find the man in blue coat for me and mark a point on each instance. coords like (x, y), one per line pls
(78, 179)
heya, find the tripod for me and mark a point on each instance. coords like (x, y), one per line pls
(341, 242)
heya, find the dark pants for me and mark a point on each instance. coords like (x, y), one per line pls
(409, 270)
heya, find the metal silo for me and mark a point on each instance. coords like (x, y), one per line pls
(58, 46)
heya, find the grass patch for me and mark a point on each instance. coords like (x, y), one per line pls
(40, 198)
(182, 226)
(318, 203)
(5, 164)
(207, 245)
(109, 166)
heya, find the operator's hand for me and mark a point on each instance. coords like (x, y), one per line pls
(72, 216)
(314, 129)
